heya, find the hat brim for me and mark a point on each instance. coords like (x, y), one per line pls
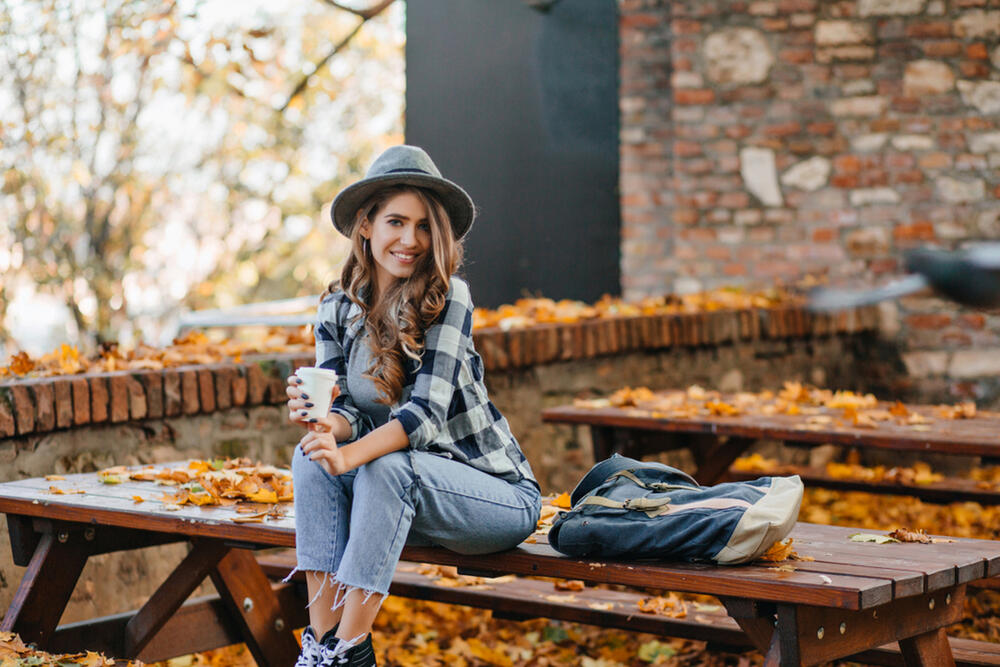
(455, 200)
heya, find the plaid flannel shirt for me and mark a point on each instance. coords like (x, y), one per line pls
(444, 407)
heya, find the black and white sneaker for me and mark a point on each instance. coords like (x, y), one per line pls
(359, 655)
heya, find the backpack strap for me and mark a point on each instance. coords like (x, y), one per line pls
(652, 486)
(653, 507)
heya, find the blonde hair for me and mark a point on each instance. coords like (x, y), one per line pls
(397, 323)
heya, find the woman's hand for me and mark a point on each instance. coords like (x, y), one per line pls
(320, 446)
(299, 402)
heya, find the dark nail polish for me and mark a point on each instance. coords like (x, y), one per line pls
(309, 405)
(304, 412)
(313, 420)
(304, 396)
(298, 380)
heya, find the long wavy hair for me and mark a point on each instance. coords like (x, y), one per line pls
(398, 319)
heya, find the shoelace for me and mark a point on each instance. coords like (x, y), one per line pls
(314, 654)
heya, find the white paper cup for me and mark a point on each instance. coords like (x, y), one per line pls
(317, 384)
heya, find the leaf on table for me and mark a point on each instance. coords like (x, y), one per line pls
(898, 410)
(905, 535)
(55, 478)
(669, 605)
(783, 568)
(601, 606)
(106, 478)
(171, 507)
(561, 599)
(778, 551)
(872, 537)
(562, 500)
(138, 499)
(569, 585)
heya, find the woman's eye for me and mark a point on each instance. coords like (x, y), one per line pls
(394, 222)
(424, 227)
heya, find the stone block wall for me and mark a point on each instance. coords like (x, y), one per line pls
(762, 140)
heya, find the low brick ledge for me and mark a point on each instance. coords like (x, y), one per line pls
(38, 405)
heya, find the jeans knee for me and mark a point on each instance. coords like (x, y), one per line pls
(393, 470)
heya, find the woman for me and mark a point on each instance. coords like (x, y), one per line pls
(412, 451)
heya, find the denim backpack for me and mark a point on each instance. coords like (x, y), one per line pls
(630, 509)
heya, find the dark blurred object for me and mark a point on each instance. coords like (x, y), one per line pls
(970, 276)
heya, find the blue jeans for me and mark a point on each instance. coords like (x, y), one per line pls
(353, 526)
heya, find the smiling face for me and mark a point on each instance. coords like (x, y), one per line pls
(399, 235)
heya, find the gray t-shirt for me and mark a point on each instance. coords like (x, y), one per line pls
(362, 389)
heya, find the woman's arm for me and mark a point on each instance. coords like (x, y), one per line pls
(321, 446)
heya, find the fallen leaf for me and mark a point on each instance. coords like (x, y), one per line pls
(54, 478)
(904, 535)
(569, 585)
(778, 551)
(562, 500)
(872, 537)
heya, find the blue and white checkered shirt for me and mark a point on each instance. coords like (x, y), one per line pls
(444, 407)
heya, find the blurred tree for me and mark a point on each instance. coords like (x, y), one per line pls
(159, 152)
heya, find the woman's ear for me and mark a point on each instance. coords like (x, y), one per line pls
(366, 232)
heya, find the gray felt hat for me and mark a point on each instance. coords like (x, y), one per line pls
(403, 165)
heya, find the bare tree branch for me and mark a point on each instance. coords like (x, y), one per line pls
(365, 15)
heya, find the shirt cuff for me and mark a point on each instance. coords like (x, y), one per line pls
(411, 426)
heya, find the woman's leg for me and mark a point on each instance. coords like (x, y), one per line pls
(322, 510)
(422, 497)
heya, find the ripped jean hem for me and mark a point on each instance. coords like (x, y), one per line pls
(343, 589)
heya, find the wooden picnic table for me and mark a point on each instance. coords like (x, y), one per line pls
(716, 441)
(851, 597)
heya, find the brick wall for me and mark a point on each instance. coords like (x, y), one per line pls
(763, 140)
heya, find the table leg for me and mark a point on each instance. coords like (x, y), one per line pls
(46, 586)
(714, 455)
(168, 598)
(930, 649)
(603, 438)
(245, 589)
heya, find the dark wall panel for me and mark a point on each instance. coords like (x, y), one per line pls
(520, 107)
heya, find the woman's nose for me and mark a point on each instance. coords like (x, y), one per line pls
(409, 235)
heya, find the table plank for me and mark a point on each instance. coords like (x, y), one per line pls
(977, 437)
(966, 559)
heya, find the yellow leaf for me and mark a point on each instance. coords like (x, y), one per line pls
(263, 496)
(562, 500)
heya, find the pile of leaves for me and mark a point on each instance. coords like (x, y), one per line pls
(919, 473)
(194, 347)
(530, 311)
(821, 408)
(14, 653)
(219, 482)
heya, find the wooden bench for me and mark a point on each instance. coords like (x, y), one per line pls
(716, 441)
(821, 610)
